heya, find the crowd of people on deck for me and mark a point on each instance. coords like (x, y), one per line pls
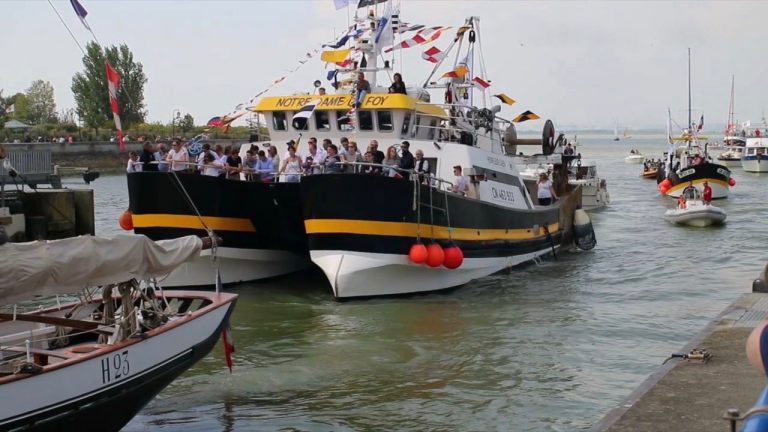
(268, 166)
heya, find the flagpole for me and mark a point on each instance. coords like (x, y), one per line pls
(67, 27)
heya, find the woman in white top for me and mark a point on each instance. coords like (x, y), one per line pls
(546, 193)
(133, 163)
(291, 166)
(178, 157)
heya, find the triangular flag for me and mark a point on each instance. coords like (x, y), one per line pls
(433, 55)
(528, 115)
(504, 98)
(459, 72)
(335, 56)
(481, 82)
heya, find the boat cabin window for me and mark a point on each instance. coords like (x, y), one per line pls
(415, 129)
(384, 118)
(406, 124)
(342, 121)
(322, 121)
(365, 120)
(299, 123)
(278, 120)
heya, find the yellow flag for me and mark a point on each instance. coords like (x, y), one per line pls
(335, 56)
(459, 72)
(528, 115)
(504, 98)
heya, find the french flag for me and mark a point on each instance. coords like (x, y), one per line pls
(81, 12)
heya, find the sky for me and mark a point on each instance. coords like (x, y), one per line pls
(583, 64)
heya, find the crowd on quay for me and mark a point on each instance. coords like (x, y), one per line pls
(268, 166)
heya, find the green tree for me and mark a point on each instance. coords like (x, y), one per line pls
(41, 105)
(20, 104)
(187, 123)
(91, 91)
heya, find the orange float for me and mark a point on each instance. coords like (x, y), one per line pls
(126, 220)
(418, 254)
(435, 255)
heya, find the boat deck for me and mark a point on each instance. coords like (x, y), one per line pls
(690, 395)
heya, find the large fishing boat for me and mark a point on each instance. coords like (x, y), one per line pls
(688, 161)
(755, 155)
(408, 231)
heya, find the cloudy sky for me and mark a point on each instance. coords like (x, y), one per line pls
(583, 64)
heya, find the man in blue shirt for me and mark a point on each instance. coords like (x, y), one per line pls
(265, 168)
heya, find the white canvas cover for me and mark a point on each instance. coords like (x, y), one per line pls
(67, 266)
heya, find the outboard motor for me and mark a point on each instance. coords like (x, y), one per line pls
(583, 232)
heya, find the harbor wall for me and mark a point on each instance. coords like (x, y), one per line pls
(94, 155)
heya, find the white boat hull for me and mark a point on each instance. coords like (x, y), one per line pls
(755, 165)
(123, 378)
(593, 197)
(729, 162)
(634, 159)
(360, 274)
(236, 266)
(696, 215)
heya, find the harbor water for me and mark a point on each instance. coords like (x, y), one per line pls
(549, 346)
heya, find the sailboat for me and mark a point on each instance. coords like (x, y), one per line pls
(616, 133)
(688, 162)
(734, 138)
(626, 134)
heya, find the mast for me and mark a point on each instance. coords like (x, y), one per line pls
(690, 124)
(730, 128)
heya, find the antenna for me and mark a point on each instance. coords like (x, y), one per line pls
(690, 124)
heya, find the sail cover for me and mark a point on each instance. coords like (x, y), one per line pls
(66, 266)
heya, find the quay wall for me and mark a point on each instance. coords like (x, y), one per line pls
(95, 155)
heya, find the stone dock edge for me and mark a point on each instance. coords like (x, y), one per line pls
(690, 395)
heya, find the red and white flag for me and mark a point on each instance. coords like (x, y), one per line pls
(113, 83)
(421, 37)
(481, 82)
(433, 55)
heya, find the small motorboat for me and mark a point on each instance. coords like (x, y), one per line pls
(635, 157)
(691, 210)
(650, 173)
(731, 157)
(93, 364)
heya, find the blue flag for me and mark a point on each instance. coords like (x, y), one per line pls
(81, 12)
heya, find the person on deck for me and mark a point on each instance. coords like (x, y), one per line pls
(460, 186)
(392, 161)
(211, 165)
(249, 166)
(274, 157)
(352, 156)
(706, 194)
(292, 166)
(398, 86)
(178, 157)
(146, 158)
(378, 155)
(234, 164)
(265, 168)
(363, 88)
(368, 169)
(133, 163)
(160, 155)
(333, 161)
(406, 158)
(568, 150)
(421, 166)
(545, 191)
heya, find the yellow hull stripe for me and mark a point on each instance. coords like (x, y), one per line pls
(409, 229)
(216, 223)
(683, 185)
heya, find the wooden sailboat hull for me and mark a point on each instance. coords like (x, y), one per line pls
(105, 390)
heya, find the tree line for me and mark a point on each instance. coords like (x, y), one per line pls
(36, 106)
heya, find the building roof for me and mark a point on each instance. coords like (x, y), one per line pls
(15, 124)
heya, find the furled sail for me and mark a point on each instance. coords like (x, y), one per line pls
(47, 268)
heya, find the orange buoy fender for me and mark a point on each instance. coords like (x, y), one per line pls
(435, 255)
(126, 220)
(418, 253)
(454, 257)
(732, 182)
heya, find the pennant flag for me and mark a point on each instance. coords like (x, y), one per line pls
(525, 117)
(113, 84)
(701, 123)
(405, 27)
(460, 72)
(214, 122)
(345, 63)
(460, 32)
(385, 36)
(331, 74)
(335, 56)
(481, 82)
(433, 55)
(81, 12)
(301, 118)
(504, 98)
(366, 3)
(421, 37)
(338, 44)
